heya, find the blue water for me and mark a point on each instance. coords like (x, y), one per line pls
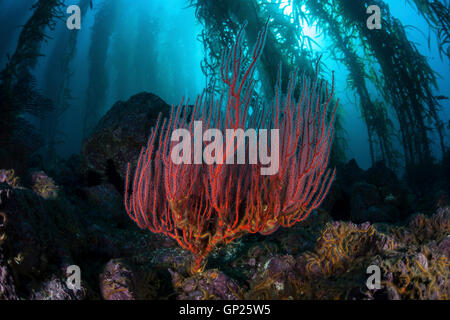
(166, 61)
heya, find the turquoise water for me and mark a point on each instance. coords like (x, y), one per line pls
(153, 46)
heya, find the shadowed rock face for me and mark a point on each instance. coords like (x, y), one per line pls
(7, 287)
(119, 137)
(374, 195)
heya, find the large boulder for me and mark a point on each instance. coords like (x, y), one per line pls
(117, 281)
(119, 137)
(209, 285)
(374, 195)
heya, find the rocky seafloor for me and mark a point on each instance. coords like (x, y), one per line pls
(71, 213)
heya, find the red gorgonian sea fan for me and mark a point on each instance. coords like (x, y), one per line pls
(202, 205)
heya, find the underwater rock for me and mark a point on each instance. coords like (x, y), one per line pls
(65, 172)
(254, 260)
(340, 246)
(280, 265)
(9, 177)
(119, 137)
(209, 285)
(7, 287)
(27, 232)
(35, 238)
(337, 202)
(273, 279)
(444, 247)
(317, 259)
(375, 195)
(173, 258)
(422, 229)
(303, 236)
(417, 266)
(380, 175)
(28, 247)
(393, 193)
(418, 276)
(44, 186)
(57, 289)
(363, 197)
(107, 200)
(117, 281)
(349, 174)
(5, 192)
(368, 205)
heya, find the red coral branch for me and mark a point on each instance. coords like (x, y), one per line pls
(204, 205)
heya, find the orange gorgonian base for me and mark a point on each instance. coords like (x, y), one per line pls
(202, 206)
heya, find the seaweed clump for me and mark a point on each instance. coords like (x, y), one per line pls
(19, 96)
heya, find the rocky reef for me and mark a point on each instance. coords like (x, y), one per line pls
(120, 135)
(73, 214)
